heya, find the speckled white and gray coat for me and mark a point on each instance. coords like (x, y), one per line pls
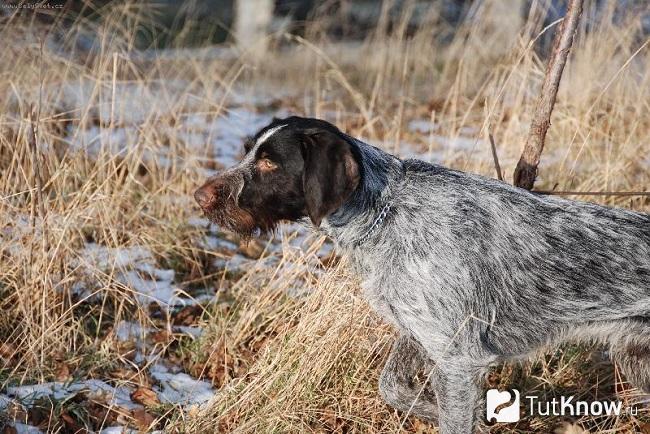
(473, 271)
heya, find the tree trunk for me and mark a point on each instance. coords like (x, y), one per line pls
(252, 20)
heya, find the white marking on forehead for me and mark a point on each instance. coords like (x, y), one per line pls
(250, 157)
(264, 137)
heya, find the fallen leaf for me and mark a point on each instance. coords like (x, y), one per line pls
(62, 373)
(70, 423)
(193, 410)
(7, 350)
(161, 336)
(421, 427)
(145, 396)
(142, 419)
(259, 344)
(101, 414)
(188, 315)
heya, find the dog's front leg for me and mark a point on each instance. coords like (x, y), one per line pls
(459, 397)
(405, 382)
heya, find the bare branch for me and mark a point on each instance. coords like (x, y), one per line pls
(526, 170)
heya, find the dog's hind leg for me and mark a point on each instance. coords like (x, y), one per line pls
(405, 380)
(633, 357)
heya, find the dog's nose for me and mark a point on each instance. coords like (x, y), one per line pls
(204, 196)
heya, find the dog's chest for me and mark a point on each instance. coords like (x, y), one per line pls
(395, 298)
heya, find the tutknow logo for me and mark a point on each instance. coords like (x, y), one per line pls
(498, 411)
(505, 407)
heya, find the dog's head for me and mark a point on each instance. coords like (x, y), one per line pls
(293, 168)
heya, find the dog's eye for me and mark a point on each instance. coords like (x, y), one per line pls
(266, 165)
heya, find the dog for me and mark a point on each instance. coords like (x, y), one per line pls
(470, 270)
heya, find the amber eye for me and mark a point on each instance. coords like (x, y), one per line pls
(266, 165)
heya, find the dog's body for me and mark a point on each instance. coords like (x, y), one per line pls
(472, 271)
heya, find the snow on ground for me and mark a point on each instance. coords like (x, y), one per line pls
(5, 401)
(125, 331)
(105, 257)
(180, 388)
(466, 144)
(134, 268)
(97, 389)
(22, 428)
(123, 430)
(171, 386)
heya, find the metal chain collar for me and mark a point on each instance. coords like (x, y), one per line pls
(379, 220)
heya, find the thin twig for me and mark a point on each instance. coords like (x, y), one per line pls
(497, 166)
(38, 182)
(593, 193)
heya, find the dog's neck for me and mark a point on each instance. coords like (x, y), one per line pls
(362, 215)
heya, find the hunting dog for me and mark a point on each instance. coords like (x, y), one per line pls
(470, 270)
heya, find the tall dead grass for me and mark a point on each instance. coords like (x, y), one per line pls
(283, 365)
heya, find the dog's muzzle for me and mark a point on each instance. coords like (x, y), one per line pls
(218, 198)
(219, 190)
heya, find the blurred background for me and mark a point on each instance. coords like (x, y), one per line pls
(173, 24)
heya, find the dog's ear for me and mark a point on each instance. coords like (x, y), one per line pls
(331, 173)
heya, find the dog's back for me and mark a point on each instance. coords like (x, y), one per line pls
(555, 258)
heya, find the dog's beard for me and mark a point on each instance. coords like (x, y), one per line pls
(232, 218)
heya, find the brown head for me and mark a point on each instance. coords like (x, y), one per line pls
(293, 168)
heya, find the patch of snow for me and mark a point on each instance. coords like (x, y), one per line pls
(426, 126)
(135, 270)
(118, 430)
(231, 129)
(193, 331)
(147, 291)
(182, 389)
(200, 222)
(217, 243)
(158, 367)
(423, 126)
(97, 389)
(27, 394)
(158, 273)
(106, 258)
(174, 387)
(235, 263)
(5, 401)
(22, 428)
(461, 143)
(126, 331)
(124, 430)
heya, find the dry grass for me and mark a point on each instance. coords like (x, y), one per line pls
(284, 364)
